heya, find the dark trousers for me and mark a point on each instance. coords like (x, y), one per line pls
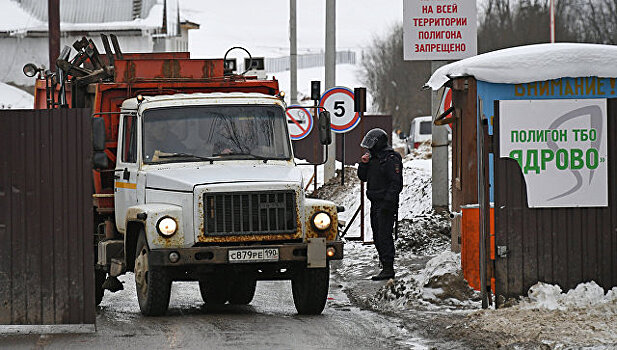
(382, 222)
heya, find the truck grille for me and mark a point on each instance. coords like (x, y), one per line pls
(250, 213)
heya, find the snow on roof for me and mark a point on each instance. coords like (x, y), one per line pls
(88, 15)
(530, 63)
(14, 98)
(14, 18)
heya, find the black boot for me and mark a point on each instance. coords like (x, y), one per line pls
(386, 273)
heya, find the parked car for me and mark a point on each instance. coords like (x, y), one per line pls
(420, 132)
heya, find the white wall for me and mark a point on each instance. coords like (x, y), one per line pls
(16, 52)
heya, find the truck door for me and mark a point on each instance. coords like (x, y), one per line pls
(125, 184)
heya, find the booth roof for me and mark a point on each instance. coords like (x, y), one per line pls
(530, 63)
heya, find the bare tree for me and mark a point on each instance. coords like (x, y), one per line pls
(595, 21)
(396, 84)
(504, 23)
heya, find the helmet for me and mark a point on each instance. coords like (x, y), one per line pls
(375, 139)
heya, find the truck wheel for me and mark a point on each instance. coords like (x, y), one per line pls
(214, 290)
(99, 279)
(310, 290)
(152, 284)
(242, 291)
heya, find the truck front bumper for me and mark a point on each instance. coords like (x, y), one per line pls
(210, 255)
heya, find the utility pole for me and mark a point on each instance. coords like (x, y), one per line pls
(439, 147)
(552, 21)
(293, 53)
(53, 21)
(330, 63)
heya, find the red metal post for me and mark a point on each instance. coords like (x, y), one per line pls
(53, 15)
(552, 21)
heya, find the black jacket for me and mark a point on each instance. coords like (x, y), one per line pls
(384, 176)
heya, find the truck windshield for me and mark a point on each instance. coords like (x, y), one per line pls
(192, 133)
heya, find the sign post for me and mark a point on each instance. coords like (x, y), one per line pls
(340, 101)
(439, 31)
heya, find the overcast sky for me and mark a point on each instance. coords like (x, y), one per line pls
(263, 26)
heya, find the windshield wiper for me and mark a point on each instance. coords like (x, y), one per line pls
(186, 155)
(253, 156)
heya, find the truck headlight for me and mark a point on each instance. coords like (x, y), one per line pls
(322, 221)
(167, 226)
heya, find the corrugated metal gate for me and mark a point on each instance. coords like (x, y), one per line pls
(46, 229)
(564, 246)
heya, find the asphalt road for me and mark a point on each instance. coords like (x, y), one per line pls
(269, 322)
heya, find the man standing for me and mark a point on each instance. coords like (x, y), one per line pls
(382, 168)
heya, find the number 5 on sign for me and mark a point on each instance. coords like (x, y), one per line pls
(339, 102)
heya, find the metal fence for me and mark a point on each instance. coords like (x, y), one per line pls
(46, 229)
(281, 64)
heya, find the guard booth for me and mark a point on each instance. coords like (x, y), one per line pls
(533, 137)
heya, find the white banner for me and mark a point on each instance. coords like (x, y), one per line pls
(439, 29)
(561, 146)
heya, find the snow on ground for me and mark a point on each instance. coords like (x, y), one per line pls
(421, 233)
(347, 75)
(14, 98)
(582, 317)
(429, 288)
(585, 295)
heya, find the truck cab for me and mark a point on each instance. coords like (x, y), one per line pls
(193, 176)
(206, 189)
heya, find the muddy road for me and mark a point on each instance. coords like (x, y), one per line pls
(269, 322)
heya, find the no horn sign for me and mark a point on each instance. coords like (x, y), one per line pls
(339, 101)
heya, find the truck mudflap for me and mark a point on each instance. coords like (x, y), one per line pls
(289, 252)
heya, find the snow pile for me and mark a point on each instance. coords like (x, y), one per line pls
(529, 63)
(14, 98)
(397, 141)
(414, 200)
(416, 197)
(584, 296)
(424, 151)
(446, 263)
(583, 317)
(423, 235)
(439, 283)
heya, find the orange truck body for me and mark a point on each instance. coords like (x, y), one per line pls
(146, 74)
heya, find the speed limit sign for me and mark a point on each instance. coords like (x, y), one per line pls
(339, 102)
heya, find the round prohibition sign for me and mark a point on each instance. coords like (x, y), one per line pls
(339, 101)
(446, 102)
(299, 123)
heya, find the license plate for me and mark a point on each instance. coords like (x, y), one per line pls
(253, 255)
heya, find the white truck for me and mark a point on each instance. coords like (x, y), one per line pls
(206, 189)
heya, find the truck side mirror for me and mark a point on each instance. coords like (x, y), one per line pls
(98, 134)
(325, 134)
(99, 158)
